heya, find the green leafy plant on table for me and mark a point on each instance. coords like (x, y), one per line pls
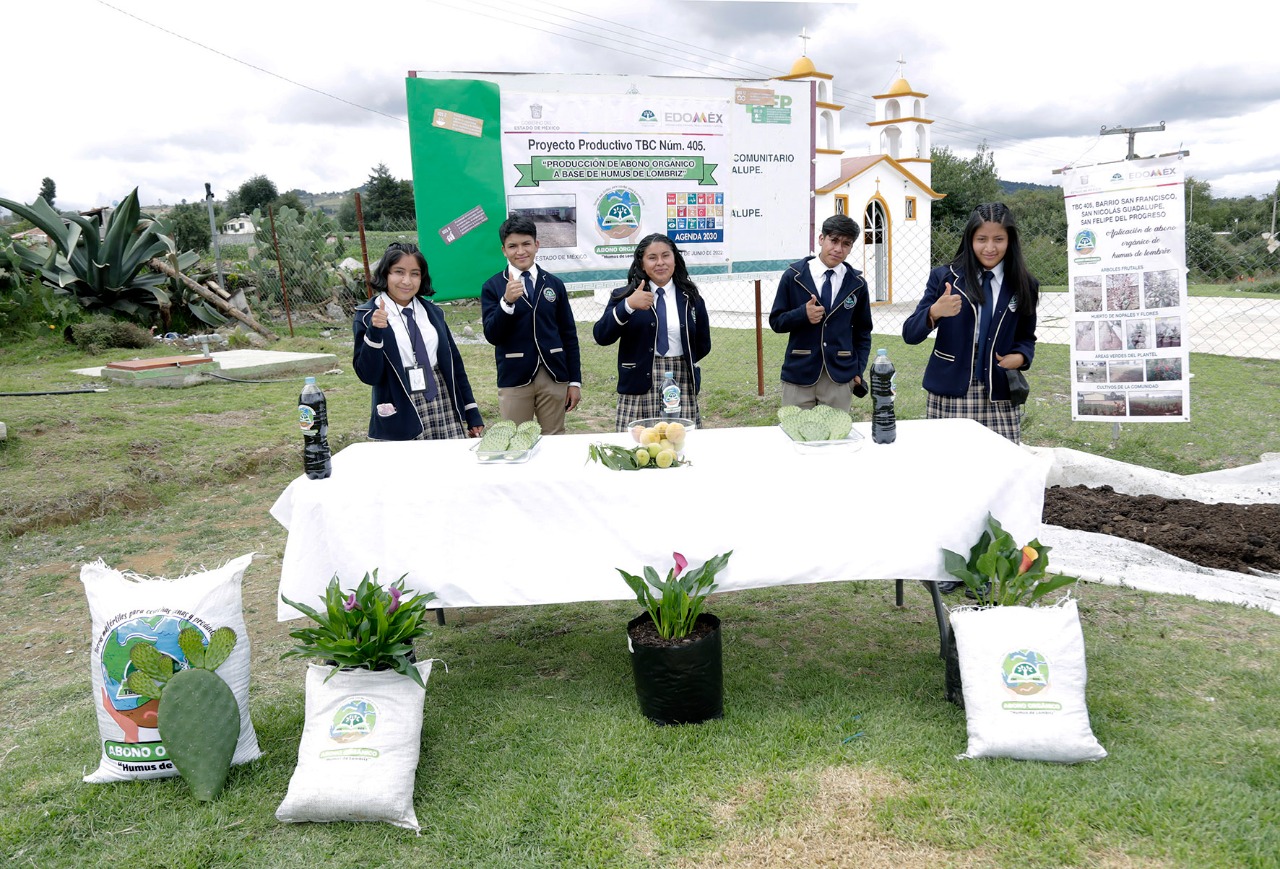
(998, 572)
(371, 627)
(620, 458)
(198, 717)
(679, 599)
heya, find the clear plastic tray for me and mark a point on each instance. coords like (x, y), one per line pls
(505, 457)
(850, 443)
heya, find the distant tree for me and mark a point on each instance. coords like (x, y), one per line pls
(1039, 211)
(387, 203)
(967, 183)
(256, 193)
(347, 214)
(289, 200)
(48, 190)
(189, 226)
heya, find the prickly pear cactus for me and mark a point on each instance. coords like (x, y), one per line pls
(199, 718)
(199, 724)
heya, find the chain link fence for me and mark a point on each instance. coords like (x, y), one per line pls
(1234, 278)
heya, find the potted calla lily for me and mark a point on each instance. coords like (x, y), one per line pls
(369, 627)
(675, 646)
(998, 572)
(358, 755)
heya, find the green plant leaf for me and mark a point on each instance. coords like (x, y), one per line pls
(192, 645)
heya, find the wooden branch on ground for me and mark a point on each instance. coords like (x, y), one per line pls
(212, 298)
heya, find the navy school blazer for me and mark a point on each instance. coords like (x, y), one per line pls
(637, 334)
(539, 331)
(841, 342)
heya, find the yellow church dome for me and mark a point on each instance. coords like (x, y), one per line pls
(901, 86)
(803, 66)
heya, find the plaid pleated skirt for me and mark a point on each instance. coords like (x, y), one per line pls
(649, 404)
(1000, 416)
(439, 417)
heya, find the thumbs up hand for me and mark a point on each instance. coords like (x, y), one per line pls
(813, 309)
(379, 319)
(947, 305)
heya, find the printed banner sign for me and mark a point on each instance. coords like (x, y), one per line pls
(721, 167)
(1128, 284)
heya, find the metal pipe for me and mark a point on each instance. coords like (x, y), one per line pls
(213, 231)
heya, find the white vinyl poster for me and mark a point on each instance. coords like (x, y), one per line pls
(654, 166)
(1128, 283)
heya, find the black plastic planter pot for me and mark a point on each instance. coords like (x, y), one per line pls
(680, 684)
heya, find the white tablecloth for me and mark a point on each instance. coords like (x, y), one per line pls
(554, 529)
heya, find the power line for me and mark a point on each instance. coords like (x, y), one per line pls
(246, 63)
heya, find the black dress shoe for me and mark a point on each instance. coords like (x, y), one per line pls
(950, 586)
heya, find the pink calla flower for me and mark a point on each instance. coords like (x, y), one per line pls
(681, 562)
(350, 603)
(395, 600)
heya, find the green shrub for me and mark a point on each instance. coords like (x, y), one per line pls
(101, 333)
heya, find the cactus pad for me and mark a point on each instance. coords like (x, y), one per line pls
(151, 661)
(192, 645)
(221, 642)
(199, 725)
(531, 428)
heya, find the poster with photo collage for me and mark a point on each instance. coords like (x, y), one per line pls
(1128, 289)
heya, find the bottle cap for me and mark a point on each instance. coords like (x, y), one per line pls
(309, 381)
(668, 374)
(882, 352)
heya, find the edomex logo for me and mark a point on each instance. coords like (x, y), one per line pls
(1086, 241)
(355, 719)
(1025, 672)
(618, 213)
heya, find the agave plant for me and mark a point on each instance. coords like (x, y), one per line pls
(103, 268)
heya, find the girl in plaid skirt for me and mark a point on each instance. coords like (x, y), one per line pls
(983, 306)
(404, 350)
(660, 323)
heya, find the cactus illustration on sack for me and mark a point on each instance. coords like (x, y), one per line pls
(199, 719)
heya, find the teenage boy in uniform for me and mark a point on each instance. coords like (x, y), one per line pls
(822, 304)
(528, 321)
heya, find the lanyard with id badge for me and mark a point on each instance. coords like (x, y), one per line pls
(420, 377)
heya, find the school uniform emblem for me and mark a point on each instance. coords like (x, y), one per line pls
(548, 294)
(851, 301)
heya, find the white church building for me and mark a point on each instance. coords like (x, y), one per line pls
(887, 191)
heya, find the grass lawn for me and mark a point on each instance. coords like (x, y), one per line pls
(837, 747)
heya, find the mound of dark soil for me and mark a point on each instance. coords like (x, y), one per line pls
(1226, 536)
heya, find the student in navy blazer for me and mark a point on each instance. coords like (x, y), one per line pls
(966, 373)
(376, 357)
(631, 320)
(534, 337)
(827, 347)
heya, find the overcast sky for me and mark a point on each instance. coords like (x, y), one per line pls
(105, 96)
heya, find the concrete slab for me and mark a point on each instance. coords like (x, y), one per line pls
(249, 363)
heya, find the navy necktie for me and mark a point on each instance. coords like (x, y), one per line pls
(528, 286)
(420, 351)
(660, 307)
(984, 324)
(826, 289)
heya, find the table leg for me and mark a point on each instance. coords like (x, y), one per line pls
(440, 616)
(940, 612)
(897, 592)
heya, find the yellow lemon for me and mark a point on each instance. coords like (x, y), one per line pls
(676, 433)
(642, 456)
(667, 445)
(649, 436)
(636, 432)
(665, 458)
(654, 449)
(661, 429)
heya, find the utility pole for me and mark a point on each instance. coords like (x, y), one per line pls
(213, 230)
(1131, 132)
